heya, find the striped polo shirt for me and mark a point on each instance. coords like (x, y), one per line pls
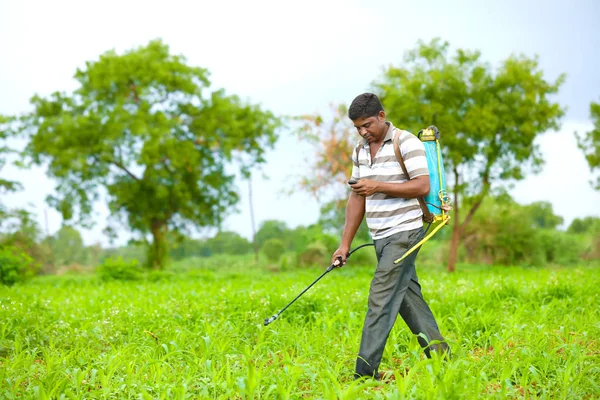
(387, 215)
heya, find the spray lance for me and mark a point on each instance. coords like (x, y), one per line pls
(336, 264)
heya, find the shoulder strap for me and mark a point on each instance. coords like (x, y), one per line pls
(427, 215)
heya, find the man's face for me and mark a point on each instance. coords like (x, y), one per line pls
(372, 129)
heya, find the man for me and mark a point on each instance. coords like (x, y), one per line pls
(389, 199)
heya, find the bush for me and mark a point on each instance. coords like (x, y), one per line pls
(316, 253)
(273, 249)
(287, 261)
(159, 276)
(15, 266)
(561, 248)
(364, 257)
(592, 250)
(119, 269)
(73, 269)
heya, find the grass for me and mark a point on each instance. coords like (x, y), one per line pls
(515, 333)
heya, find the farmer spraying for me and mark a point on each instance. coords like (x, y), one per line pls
(388, 188)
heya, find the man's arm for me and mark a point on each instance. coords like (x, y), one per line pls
(355, 211)
(416, 187)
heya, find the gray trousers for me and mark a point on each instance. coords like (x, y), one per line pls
(394, 290)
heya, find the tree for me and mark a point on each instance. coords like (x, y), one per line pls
(590, 143)
(271, 229)
(22, 232)
(543, 215)
(585, 225)
(333, 139)
(488, 119)
(273, 249)
(226, 242)
(143, 126)
(333, 218)
(67, 247)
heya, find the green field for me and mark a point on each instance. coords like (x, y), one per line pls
(515, 333)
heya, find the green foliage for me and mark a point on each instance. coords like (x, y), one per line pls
(559, 247)
(364, 257)
(507, 233)
(515, 333)
(333, 217)
(132, 251)
(67, 247)
(273, 248)
(585, 225)
(543, 215)
(315, 254)
(144, 126)
(488, 119)
(181, 247)
(589, 143)
(225, 242)
(120, 269)
(20, 230)
(271, 229)
(15, 265)
(319, 251)
(502, 233)
(6, 185)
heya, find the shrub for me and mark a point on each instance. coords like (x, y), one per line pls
(73, 269)
(273, 249)
(15, 266)
(316, 253)
(162, 275)
(364, 257)
(592, 250)
(561, 248)
(119, 269)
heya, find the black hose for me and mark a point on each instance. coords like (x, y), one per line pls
(329, 269)
(359, 247)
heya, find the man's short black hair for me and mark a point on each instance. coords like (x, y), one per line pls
(364, 106)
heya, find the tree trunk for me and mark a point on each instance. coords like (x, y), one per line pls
(458, 227)
(453, 253)
(254, 245)
(158, 250)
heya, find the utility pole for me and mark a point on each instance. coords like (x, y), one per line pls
(46, 219)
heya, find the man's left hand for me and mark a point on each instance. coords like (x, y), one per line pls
(365, 187)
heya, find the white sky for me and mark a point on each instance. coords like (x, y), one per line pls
(297, 58)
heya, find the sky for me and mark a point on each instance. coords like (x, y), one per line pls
(297, 58)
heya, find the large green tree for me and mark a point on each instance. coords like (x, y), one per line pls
(144, 126)
(489, 118)
(590, 143)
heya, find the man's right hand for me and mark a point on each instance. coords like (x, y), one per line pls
(342, 251)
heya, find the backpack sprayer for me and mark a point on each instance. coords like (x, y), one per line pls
(435, 205)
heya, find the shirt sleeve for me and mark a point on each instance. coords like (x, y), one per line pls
(413, 153)
(355, 167)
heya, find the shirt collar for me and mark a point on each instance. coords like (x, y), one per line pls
(389, 135)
